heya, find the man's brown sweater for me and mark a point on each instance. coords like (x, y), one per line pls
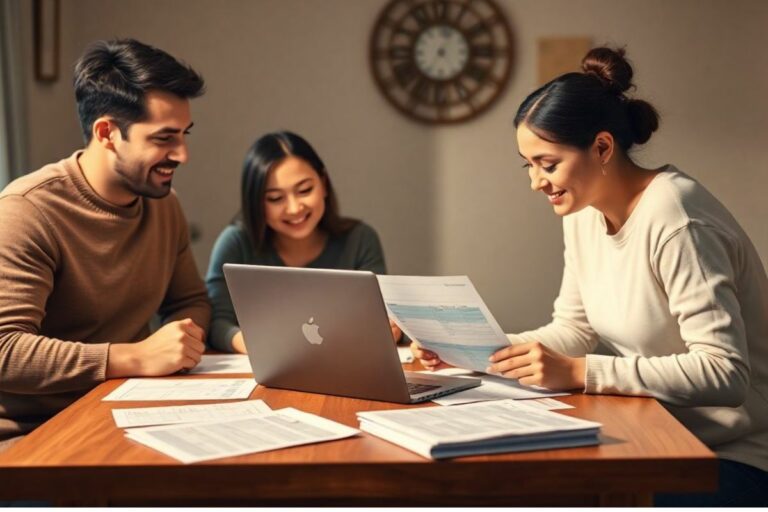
(76, 274)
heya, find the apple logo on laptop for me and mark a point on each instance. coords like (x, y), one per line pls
(310, 330)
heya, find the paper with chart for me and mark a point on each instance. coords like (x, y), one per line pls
(222, 363)
(446, 315)
(144, 416)
(182, 389)
(213, 440)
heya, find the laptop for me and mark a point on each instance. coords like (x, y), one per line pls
(325, 331)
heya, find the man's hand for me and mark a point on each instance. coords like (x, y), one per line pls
(535, 364)
(175, 346)
(428, 359)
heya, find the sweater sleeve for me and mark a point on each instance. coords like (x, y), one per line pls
(224, 326)
(31, 363)
(697, 267)
(370, 255)
(186, 296)
(569, 332)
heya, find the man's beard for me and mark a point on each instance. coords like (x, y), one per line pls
(139, 183)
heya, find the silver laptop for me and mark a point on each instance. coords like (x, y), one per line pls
(325, 331)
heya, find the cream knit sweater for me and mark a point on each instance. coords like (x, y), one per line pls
(680, 296)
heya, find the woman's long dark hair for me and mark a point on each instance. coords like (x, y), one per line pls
(265, 154)
(573, 108)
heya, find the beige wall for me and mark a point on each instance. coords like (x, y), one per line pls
(444, 200)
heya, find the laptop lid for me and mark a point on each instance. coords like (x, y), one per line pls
(318, 330)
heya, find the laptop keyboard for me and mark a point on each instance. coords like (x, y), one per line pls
(416, 389)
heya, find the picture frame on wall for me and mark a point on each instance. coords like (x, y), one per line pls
(46, 40)
(559, 55)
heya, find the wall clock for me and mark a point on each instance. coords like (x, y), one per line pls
(441, 61)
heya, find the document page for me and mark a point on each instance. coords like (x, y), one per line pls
(205, 441)
(472, 422)
(143, 416)
(182, 389)
(494, 387)
(548, 404)
(405, 354)
(223, 363)
(446, 315)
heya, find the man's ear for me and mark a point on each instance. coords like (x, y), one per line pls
(604, 146)
(105, 132)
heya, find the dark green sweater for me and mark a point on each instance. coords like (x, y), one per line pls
(357, 249)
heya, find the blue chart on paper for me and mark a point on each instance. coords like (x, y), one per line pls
(460, 335)
(442, 314)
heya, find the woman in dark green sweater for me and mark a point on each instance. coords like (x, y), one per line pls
(289, 217)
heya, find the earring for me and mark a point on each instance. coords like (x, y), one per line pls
(602, 168)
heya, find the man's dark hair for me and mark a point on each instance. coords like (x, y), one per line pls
(113, 77)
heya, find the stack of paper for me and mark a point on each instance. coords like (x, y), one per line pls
(478, 428)
(194, 433)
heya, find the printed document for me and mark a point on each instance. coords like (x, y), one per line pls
(223, 363)
(494, 387)
(182, 389)
(548, 404)
(213, 440)
(446, 315)
(143, 416)
(487, 427)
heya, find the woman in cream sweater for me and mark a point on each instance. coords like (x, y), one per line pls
(655, 267)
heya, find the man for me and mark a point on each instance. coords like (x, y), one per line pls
(92, 246)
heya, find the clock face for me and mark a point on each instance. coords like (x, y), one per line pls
(441, 61)
(441, 52)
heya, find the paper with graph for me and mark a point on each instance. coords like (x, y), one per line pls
(446, 315)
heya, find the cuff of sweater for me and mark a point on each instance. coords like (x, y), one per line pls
(229, 336)
(220, 336)
(94, 356)
(596, 368)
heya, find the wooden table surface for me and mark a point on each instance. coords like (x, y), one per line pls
(81, 457)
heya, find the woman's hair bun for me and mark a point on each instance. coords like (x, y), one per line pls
(643, 120)
(574, 107)
(610, 67)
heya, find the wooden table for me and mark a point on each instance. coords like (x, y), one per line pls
(80, 457)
